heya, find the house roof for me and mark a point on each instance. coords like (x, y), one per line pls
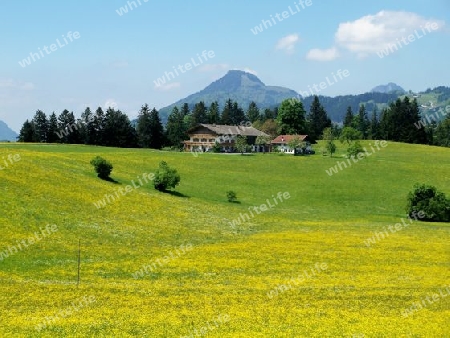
(221, 129)
(283, 139)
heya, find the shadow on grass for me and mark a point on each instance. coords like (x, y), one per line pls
(175, 193)
(109, 179)
(237, 202)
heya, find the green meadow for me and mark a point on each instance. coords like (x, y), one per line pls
(221, 286)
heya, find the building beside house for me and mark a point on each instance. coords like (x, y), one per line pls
(203, 137)
(281, 144)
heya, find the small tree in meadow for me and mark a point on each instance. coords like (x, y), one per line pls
(241, 144)
(328, 137)
(355, 149)
(165, 177)
(102, 167)
(231, 196)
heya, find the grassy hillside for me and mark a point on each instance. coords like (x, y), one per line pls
(229, 282)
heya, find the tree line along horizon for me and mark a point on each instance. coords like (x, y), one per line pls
(113, 128)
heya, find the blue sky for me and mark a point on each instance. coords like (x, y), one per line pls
(116, 59)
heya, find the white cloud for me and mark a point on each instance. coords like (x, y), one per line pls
(288, 43)
(111, 103)
(372, 33)
(213, 67)
(247, 70)
(251, 71)
(12, 84)
(168, 86)
(323, 54)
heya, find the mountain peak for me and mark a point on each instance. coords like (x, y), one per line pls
(389, 88)
(237, 85)
(233, 80)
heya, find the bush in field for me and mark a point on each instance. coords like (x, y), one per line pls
(165, 177)
(355, 149)
(102, 167)
(430, 201)
(231, 196)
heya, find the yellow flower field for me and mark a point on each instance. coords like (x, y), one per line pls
(221, 287)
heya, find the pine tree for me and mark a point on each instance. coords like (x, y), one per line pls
(52, 136)
(269, 114)
(40, 126)
(89, 132)
(27, 132)
(98, 127)
(185, 111)
(175, 128)
(417, 135)
(317, 120)
(156, 130)
(253, 113)
(374, 126)
(442, 133)
(199, 114)
(227, 113)
(143, 128)
(363, 121)
(214, 113)
(118, 131)
(66, 126)
(348, 120)
(238, 115)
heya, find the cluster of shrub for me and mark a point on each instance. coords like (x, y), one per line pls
(165, 177)
(425, 198)
(433, 203)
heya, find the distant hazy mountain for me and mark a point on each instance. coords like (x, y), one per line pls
(389, 88)
(239, 86)
(6, 133)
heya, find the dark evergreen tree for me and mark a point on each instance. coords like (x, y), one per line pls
(185, 111)
(442, 133)
(52, 136)
(40, 126)
(118, 131)
(416, 135)
(66, 126)
(199, 114)
(27, 132)
(238, 115)
(363, 121)
(214, 113)
(98, 127)
(398, 122)
(348, 119)
(176, 129)
(374, 126)
(269, 114)
(317, 120)
(143, 128)
(156, 130)
(253, 113)
(88, 127)
(227, 113)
